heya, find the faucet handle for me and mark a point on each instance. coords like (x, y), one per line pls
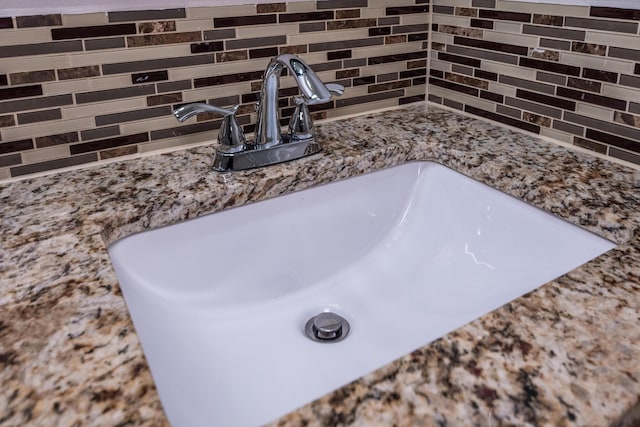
(230, 136)
(335, 88)
(301, 125)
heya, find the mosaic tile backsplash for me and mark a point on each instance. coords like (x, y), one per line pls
(80, 89)
(571, 73)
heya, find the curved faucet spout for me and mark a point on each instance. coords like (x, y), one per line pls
(311, 87)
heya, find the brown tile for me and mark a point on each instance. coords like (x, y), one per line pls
(3, 80)
(227, 79)
(166, 98)
(605, 76)
(466, 80)
(338, 4)
(348, 14)
(495, 46)
(557, 21)
(156, 27)
(53, 164)
(589, 145)
(482, 23)
(40, 48)
(104, 144)
(618, 141)
(216, 46)
(174, 86)
(582, 84)
(78, 72)
(438, 46)
(59, 139)
(490, 4)
(379, 31)
(555, 44)
(387, 77)
(109, 94)
(460, 31)
(614, 12)
(295, 50)
(265, 52)
(397, 57)
(504, 16)
(39, 116)
(389, 20)
(118, 152)
(228, 33)
(345, 74)
(373, 97)
(395, 39)
(590, 48)
(241, 21)
(624, 53)
(550, 66)
(466, 11)
(39, 21)
(527, 84)
(636, 70)
(6, 23)
(92, 31)
(351, 23)
(6, 121)
(416, 64)
(232, 55)
(361, 81)
(188, 129)
(160, 39)
(305, 16)
(626, 119)
(545, 54)
(624, 155)
(271, 7)
(491, 96)
(443, 10)
(607, 126)
(146, 15)
(346, 44)
(406, 10)
(411, 99)
(15, 146)
(152, 76)
(339, 54)
(537, 119)
(454, 86)
(530, 127)
(487, 75)
(418, 37)
(472, 62)
(601, 24)
(130, 116)
(310, 27)
(20, 92)
(32, 77)
(591, 98)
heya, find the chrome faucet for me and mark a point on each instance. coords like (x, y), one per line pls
(269, 146)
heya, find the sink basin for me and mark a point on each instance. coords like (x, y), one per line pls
(405, 254)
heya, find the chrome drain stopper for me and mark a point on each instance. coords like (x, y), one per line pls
(327, 327)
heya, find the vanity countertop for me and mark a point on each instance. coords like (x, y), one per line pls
(565, 354)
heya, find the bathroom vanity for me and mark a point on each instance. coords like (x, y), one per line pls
(564, 354)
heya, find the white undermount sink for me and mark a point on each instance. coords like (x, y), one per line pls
(406, 255)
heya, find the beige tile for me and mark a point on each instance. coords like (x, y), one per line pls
(597, 62)
(329, 36)
(510, 38)
(510, 70)
(110, 82)
(385, 3)
(413, 18)
(442, 38)
(220, 11)
(5, 175)
(25, 36)
(416, 90)
(194, 25)
(556, 134)
(99, 108)
(48, 128)
(459, 3)
(383, 68)
(440, 65)
(216, 92)
(595, 112)
(64, 87)
(43, 154)
(389, 49)
(508, 27)
(33, 63)
(84, 19)
(613, 39)
(145, 125)
(363, 108)
(372, 12)
(181, 142)
(266, 31)
(456, 21)
(505, 90)
(622, 92)
(542, 8)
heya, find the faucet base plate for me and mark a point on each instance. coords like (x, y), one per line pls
(256, 156)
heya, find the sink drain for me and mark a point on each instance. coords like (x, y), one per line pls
(327, 327)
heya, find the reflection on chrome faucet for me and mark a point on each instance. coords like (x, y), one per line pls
(270, 146)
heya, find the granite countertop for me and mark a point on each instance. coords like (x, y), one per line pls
(565, 354)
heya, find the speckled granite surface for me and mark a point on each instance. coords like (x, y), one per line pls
(565, 354)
